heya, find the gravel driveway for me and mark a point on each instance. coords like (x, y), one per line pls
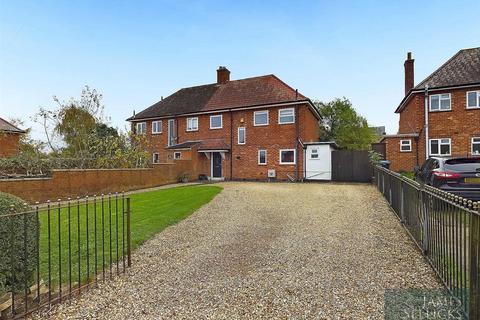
(258, 250)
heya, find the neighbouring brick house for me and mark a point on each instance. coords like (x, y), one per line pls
(236, 129)
(440, 116)
(9, 139)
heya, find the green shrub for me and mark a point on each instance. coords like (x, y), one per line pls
(12, 244)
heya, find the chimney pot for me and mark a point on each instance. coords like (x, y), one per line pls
(409, 73)
(223, 75)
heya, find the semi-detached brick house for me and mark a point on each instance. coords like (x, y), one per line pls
(233, 129)
(441, 115)
(9, 139)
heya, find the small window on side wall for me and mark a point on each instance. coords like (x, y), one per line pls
(314, 154)
(241, 135)
(177, 155)
(156, 157)
(260, 118)
(287, 156)
(216, 122)
(141, 127)
(156, 127)
(476, 146)
(286, 116)
(440, 102)
(406, 145)
(262, 157)
(192, 124)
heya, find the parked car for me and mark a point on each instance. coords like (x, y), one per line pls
(460, 176)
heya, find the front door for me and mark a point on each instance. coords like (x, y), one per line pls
(216, 165)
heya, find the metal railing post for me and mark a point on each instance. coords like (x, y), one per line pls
(402, 203)
(129, 253)
(474, 296)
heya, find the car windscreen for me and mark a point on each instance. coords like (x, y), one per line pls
(463, 165)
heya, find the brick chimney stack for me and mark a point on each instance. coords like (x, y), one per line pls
(409, 73)
(223, 75)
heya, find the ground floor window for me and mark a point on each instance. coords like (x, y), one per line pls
(287, 156)
(476, 146)
(440, 147)
(177, 155)
(262, 157)
(156, 157)
(406, 145)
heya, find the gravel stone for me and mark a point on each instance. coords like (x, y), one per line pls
(266, 251)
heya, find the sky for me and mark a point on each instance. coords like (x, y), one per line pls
(135, 52)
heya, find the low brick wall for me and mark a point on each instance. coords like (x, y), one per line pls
(82, 182)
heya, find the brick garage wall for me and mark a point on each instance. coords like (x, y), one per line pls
(8, 144)
(73, 183)
(401, 161)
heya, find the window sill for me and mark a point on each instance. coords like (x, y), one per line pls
(191, 130)
(262, 164)
(440, 110)
(405, 151)
(155, 133)
(216, 128)
(472, 108)
(287, 163)
(260, 125)
(287, 122)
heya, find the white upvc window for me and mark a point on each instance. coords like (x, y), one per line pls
(192, 124)
(156, 157)
(314, 154)
(406, 145)
(286, 116)
(242, 137)
(177, 155)
(262, 157)
(440, 147)
(473, 99)
(476, 146)
(156, 127)
(260, 118)
(141, 127)
(440, 102)
(216, 122)
(287, 156)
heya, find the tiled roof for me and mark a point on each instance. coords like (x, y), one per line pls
(248, 92)
(184, 145)
(7, 126)
(461, 69)
(213, 144)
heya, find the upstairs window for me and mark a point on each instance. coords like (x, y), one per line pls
(216, 122)
(241, 135)
(476, 146)
(141, 127)
(156, 127)
(473, 99)
(192, 124)
(440, 147)
(405, 145)
(156, 158)
(440, 102)
(260, 118)
(286, 116)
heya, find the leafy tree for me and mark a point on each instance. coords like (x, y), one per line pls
(342, 124)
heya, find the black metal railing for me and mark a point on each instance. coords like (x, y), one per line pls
(60, 248)
(445, 227)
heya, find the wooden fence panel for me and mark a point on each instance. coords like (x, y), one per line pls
(351, 166)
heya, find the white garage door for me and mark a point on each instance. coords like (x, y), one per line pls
(318, 162)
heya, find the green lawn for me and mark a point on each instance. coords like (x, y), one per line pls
(151, 212)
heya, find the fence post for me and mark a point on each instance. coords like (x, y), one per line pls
(423, 218)
(129, 252)
(474, 299)
(402, 203)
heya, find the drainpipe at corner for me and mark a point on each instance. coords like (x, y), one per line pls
(427, 151)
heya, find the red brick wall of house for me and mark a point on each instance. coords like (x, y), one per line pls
(401, 161)
(78, 182)
(459, 124)
(9, 143)
(245, 157)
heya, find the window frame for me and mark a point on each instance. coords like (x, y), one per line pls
(244, 136)
(140, 124)
(287, 163)
(409, 144)
(261, 112)
(171, 130)
(472, 142)
(187, 128)
(221, 121)
(161, 126)
(158, 158)
(258, 157)
(440, 147)
(478, 99)
(440, 102)
(312, 153)
(175, 155)
(286, 109)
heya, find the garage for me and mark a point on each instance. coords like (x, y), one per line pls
(318, 160)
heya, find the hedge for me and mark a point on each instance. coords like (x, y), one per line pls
(12, 244)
